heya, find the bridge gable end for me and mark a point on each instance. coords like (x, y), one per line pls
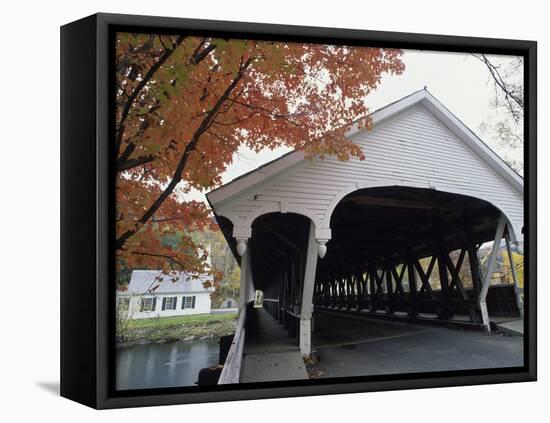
(414, 147)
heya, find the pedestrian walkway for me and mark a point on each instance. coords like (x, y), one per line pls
(269, 353)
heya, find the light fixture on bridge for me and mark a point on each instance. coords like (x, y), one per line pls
(321, 248)
(241, 245)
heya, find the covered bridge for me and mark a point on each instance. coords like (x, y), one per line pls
(389, 234)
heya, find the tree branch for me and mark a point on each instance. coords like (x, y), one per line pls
(168, 219)
(195, 59)
(199, 56)
(131, 163)
(266, 110)
(191, 146)
(236, 121)
(137, 90)
(164, 256)
(509, 95)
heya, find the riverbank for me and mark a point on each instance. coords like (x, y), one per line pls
(178, 328)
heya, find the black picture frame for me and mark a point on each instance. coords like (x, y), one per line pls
(87, 224)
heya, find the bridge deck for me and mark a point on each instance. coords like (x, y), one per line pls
(511, 327)
(354, 346)
(269, 353)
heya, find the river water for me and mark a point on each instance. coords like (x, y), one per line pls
(164, 365)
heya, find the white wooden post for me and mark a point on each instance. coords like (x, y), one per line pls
(250, 288)
(244, 282)
(514, 276)
(492, 260)
(307, 295)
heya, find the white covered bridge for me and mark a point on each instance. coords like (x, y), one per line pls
(394, 233)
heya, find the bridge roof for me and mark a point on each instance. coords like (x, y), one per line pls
(154, 282)
(417, 151)
(425, 98)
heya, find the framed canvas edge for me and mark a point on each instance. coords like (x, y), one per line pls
(530, 157)
(312, 390)
(78, 312)
(103, 172)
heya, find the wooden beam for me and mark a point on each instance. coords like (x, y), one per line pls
(425, 277)
(519, 299)
(398, 278)
(412, 286)
(272, 246)
(282, 238)
(307, 293)
(492, 260)
(455, 272)
(455, 280)
(394, 202)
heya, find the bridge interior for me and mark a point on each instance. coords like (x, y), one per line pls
(395, 252)
(406, 250)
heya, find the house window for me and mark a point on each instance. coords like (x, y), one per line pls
(188, 302)
(147, 304)
(169, 303)
(229, 304)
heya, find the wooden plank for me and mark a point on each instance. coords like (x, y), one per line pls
(232, 367)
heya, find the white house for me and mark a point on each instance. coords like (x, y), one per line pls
(175, 295)
(228, 305)
(229, 302)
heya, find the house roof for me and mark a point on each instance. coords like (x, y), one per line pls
(147, 281)
(423, 97)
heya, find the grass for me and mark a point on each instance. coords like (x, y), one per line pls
(181, 320)
(178, 328)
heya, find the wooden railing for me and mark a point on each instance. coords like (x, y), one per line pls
(232, 367)
(501, 301)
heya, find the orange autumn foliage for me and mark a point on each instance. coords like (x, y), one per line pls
(184, 106)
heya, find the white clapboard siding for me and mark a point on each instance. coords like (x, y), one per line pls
(411, 148)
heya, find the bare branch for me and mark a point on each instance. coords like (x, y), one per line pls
(509, 95)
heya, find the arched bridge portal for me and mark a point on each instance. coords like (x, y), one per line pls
(408, 251)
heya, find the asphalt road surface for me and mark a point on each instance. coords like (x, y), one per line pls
(358, 346)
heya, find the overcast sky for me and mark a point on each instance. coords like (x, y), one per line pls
(460, 81)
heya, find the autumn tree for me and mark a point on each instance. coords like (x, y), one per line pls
(184, 106)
